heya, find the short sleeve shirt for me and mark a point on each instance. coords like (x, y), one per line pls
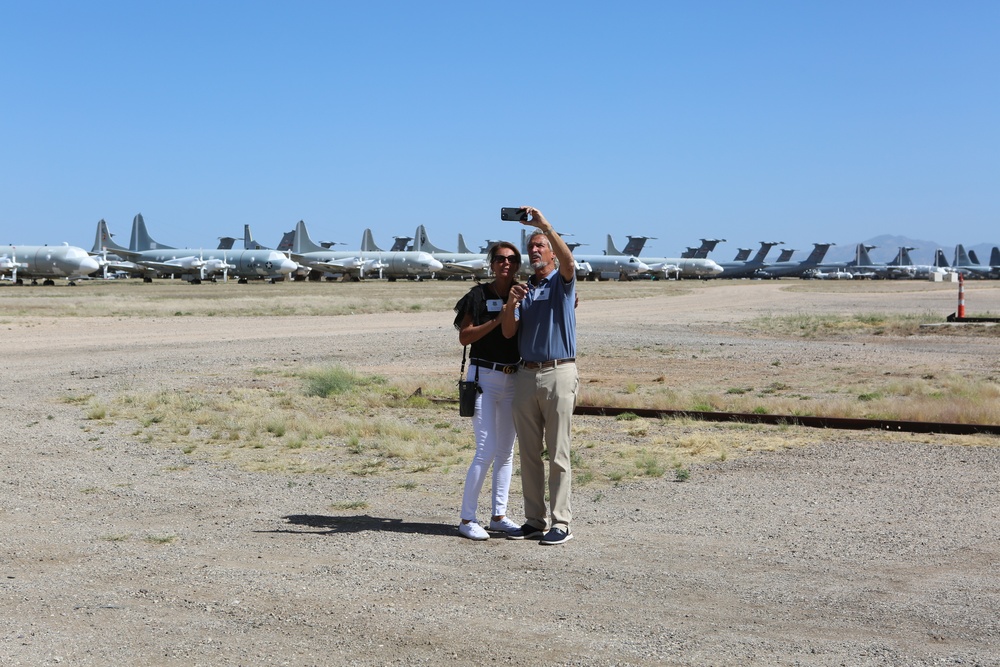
(547, 319)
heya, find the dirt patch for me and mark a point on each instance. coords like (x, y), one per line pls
(808, 547)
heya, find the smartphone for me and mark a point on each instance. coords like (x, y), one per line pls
(515, 214)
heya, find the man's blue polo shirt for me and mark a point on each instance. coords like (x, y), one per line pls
(547, 317)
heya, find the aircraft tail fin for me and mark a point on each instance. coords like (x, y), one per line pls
(226, 242)
(765, 247)
(861, 256)
(302, 243)
(940, 260)
(248, 242)
(286, 242)
(742, 254)
(399, 243)
(141, 240)
(972, 256)
(707, 246)
(818, 253)
(634, 246)
(368, 242)
(103, 238)
(612, 250)
(421, 242)
(995, 256)
(462, 248)
(786, 255)
(961, 257)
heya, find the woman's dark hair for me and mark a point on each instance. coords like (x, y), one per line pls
(503, 244)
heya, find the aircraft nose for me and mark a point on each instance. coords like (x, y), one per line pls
(287, 266)
(715, 268)
(642, 267)
(434, 265)
(88, 265)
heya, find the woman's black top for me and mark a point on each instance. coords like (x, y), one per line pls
(484, 304)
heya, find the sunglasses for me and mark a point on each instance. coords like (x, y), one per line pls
(505, 259)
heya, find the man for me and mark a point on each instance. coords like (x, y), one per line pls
(545, 386)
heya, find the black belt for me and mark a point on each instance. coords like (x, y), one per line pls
(506, 368)
(551, 363)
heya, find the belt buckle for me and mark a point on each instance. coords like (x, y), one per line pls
(509, 369)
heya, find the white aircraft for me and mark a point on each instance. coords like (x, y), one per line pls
(677, 267)
(595, 267)
(462, 263)
(46, 262)
(154, 258)
(358, 264)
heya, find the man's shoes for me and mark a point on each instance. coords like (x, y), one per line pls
(473, 531)
(556, 536)
(504, 525)
(525, 532)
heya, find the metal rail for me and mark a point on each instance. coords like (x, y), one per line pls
(795, 420)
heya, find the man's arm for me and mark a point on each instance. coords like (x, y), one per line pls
(567, 265)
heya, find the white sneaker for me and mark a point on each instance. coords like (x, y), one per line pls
(504, 525)
(473, 531)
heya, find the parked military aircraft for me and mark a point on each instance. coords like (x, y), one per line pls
(785, 256)
(455, 263)
(193, 266)
(678, 267)
(358, 264)
(750, 268)
(967, 267)
(788, 269)
(46, 262)
(701, 252)
(832, 274)
(902, 266)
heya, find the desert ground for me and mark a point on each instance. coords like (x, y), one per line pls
(124, 543)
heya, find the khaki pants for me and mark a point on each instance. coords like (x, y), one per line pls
(544, 400)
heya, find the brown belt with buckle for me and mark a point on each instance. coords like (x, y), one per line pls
(506, 368)
(551, 363)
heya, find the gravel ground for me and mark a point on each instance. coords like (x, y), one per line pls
(853, 549)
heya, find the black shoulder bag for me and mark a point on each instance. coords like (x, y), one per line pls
(467, 391)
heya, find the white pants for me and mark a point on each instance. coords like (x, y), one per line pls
(493, 426)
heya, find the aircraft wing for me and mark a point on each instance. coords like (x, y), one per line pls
(173, 266)
(470, 267)
(333, 265)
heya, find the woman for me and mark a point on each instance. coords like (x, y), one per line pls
(494, 360)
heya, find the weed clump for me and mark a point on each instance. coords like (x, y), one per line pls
(325, 382)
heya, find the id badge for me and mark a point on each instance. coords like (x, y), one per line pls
(494, 305)
(541, 294)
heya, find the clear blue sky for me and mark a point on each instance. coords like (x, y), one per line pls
(793, 121)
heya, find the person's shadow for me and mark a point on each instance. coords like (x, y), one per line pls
(326, 525)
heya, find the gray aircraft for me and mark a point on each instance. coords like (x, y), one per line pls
(969, 268)
(701, 252)
(455, 263)
(193, 265)
(752, 267)
(785, 256)
(680, 267)
(901, 266)
(357, 264)
(790, 269)
(46, 262)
